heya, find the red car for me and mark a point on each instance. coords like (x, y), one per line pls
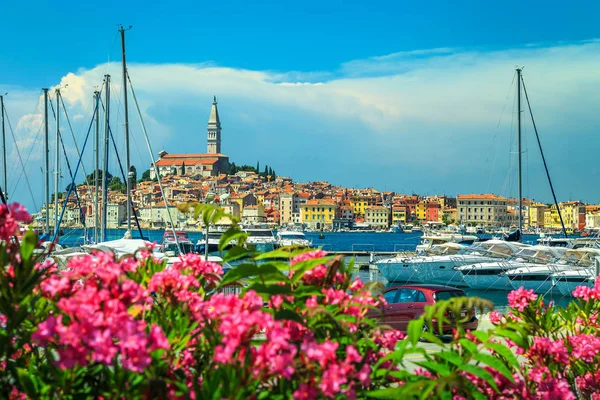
(408, 302)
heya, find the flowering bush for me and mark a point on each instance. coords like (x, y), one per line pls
(284, 324)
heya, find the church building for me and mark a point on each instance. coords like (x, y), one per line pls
(212, 163)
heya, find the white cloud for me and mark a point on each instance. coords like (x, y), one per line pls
(423, 120)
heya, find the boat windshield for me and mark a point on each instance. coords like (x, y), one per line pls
(443, 250)
(185, 248)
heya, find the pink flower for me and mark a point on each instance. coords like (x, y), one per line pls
(10, 216)
(585, 347)
(356, 285)
(520, 298)
(199, 268)
(545, 350)
(305, 392)
(584, 292)
(495, 317)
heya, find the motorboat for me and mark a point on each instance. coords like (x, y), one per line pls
(214, 238)
(416, 229)
(434, 238)
(567, 281)
(541, 277)
(176, 243)
(440, 268)
(291, 238)
(490, 275)
(260, 239)
(399, 269)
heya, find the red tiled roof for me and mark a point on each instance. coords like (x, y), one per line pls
(480, 197)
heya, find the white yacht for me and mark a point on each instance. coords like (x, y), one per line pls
(489, 275)
(540, 277)
(291, 238)
(567, 281)
(434, 238)
(439, 268)
(260, 239)
(399, 269)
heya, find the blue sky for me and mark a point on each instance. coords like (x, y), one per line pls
(397, 95)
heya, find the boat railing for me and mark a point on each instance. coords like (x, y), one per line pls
(366, 247)
(399, 247)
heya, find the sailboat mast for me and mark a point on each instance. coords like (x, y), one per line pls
(519, 150)
(96, 165)
(47, 160)
(127, 159)
(57, 159)
(4, 186)
(105, 166)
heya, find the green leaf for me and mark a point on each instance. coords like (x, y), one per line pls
(232, 234)
(495, 363)
(451, 357)
(514, 336)
(28, 245)
(270, 289)
(235, 253)
(276, 254)
(504, 352)
(468, 345)
(288, 315)
(433, 366)
(415, 330)
(247, 270)
(26, 382)
(480, 373)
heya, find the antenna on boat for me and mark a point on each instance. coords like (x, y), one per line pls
(519, 151)
(129, 174)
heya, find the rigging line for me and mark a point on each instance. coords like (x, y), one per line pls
(12, 133)
(73, 136)
(72, 180)
(159, 179)
(496, 132)
(537, 136)
(62, 212)
(31, 148)
(137, 222)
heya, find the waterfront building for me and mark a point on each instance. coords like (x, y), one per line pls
(212, 163)
(482, 209)
(253, 214)
(432, 211)
(420, 211)
(400, 214)
(286, 207)
(319, 213)
(536, 215)
(377, 217)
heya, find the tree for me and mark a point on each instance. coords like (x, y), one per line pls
(90, 177)
(145, 176)
(257, 167)
(116, 184)
(266, 171)
(183, 168)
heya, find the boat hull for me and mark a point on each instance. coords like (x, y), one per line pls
(539, 283)
(487, 282)
(398, 272)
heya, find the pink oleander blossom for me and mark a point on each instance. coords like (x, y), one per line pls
(99, 301)
(199, 268)
(519, 299)
(585, 347)
(10, 216)
(495, 317)
(546, 350)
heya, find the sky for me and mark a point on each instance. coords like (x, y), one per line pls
(393, 95)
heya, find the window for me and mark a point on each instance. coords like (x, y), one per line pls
(448, 295)
(421, 297)
(390, 296)
(408, 296)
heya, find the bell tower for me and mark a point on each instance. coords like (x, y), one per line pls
(214, 130)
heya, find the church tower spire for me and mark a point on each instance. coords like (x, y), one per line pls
(214, 129)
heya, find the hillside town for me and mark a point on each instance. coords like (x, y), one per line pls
(264, 198)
